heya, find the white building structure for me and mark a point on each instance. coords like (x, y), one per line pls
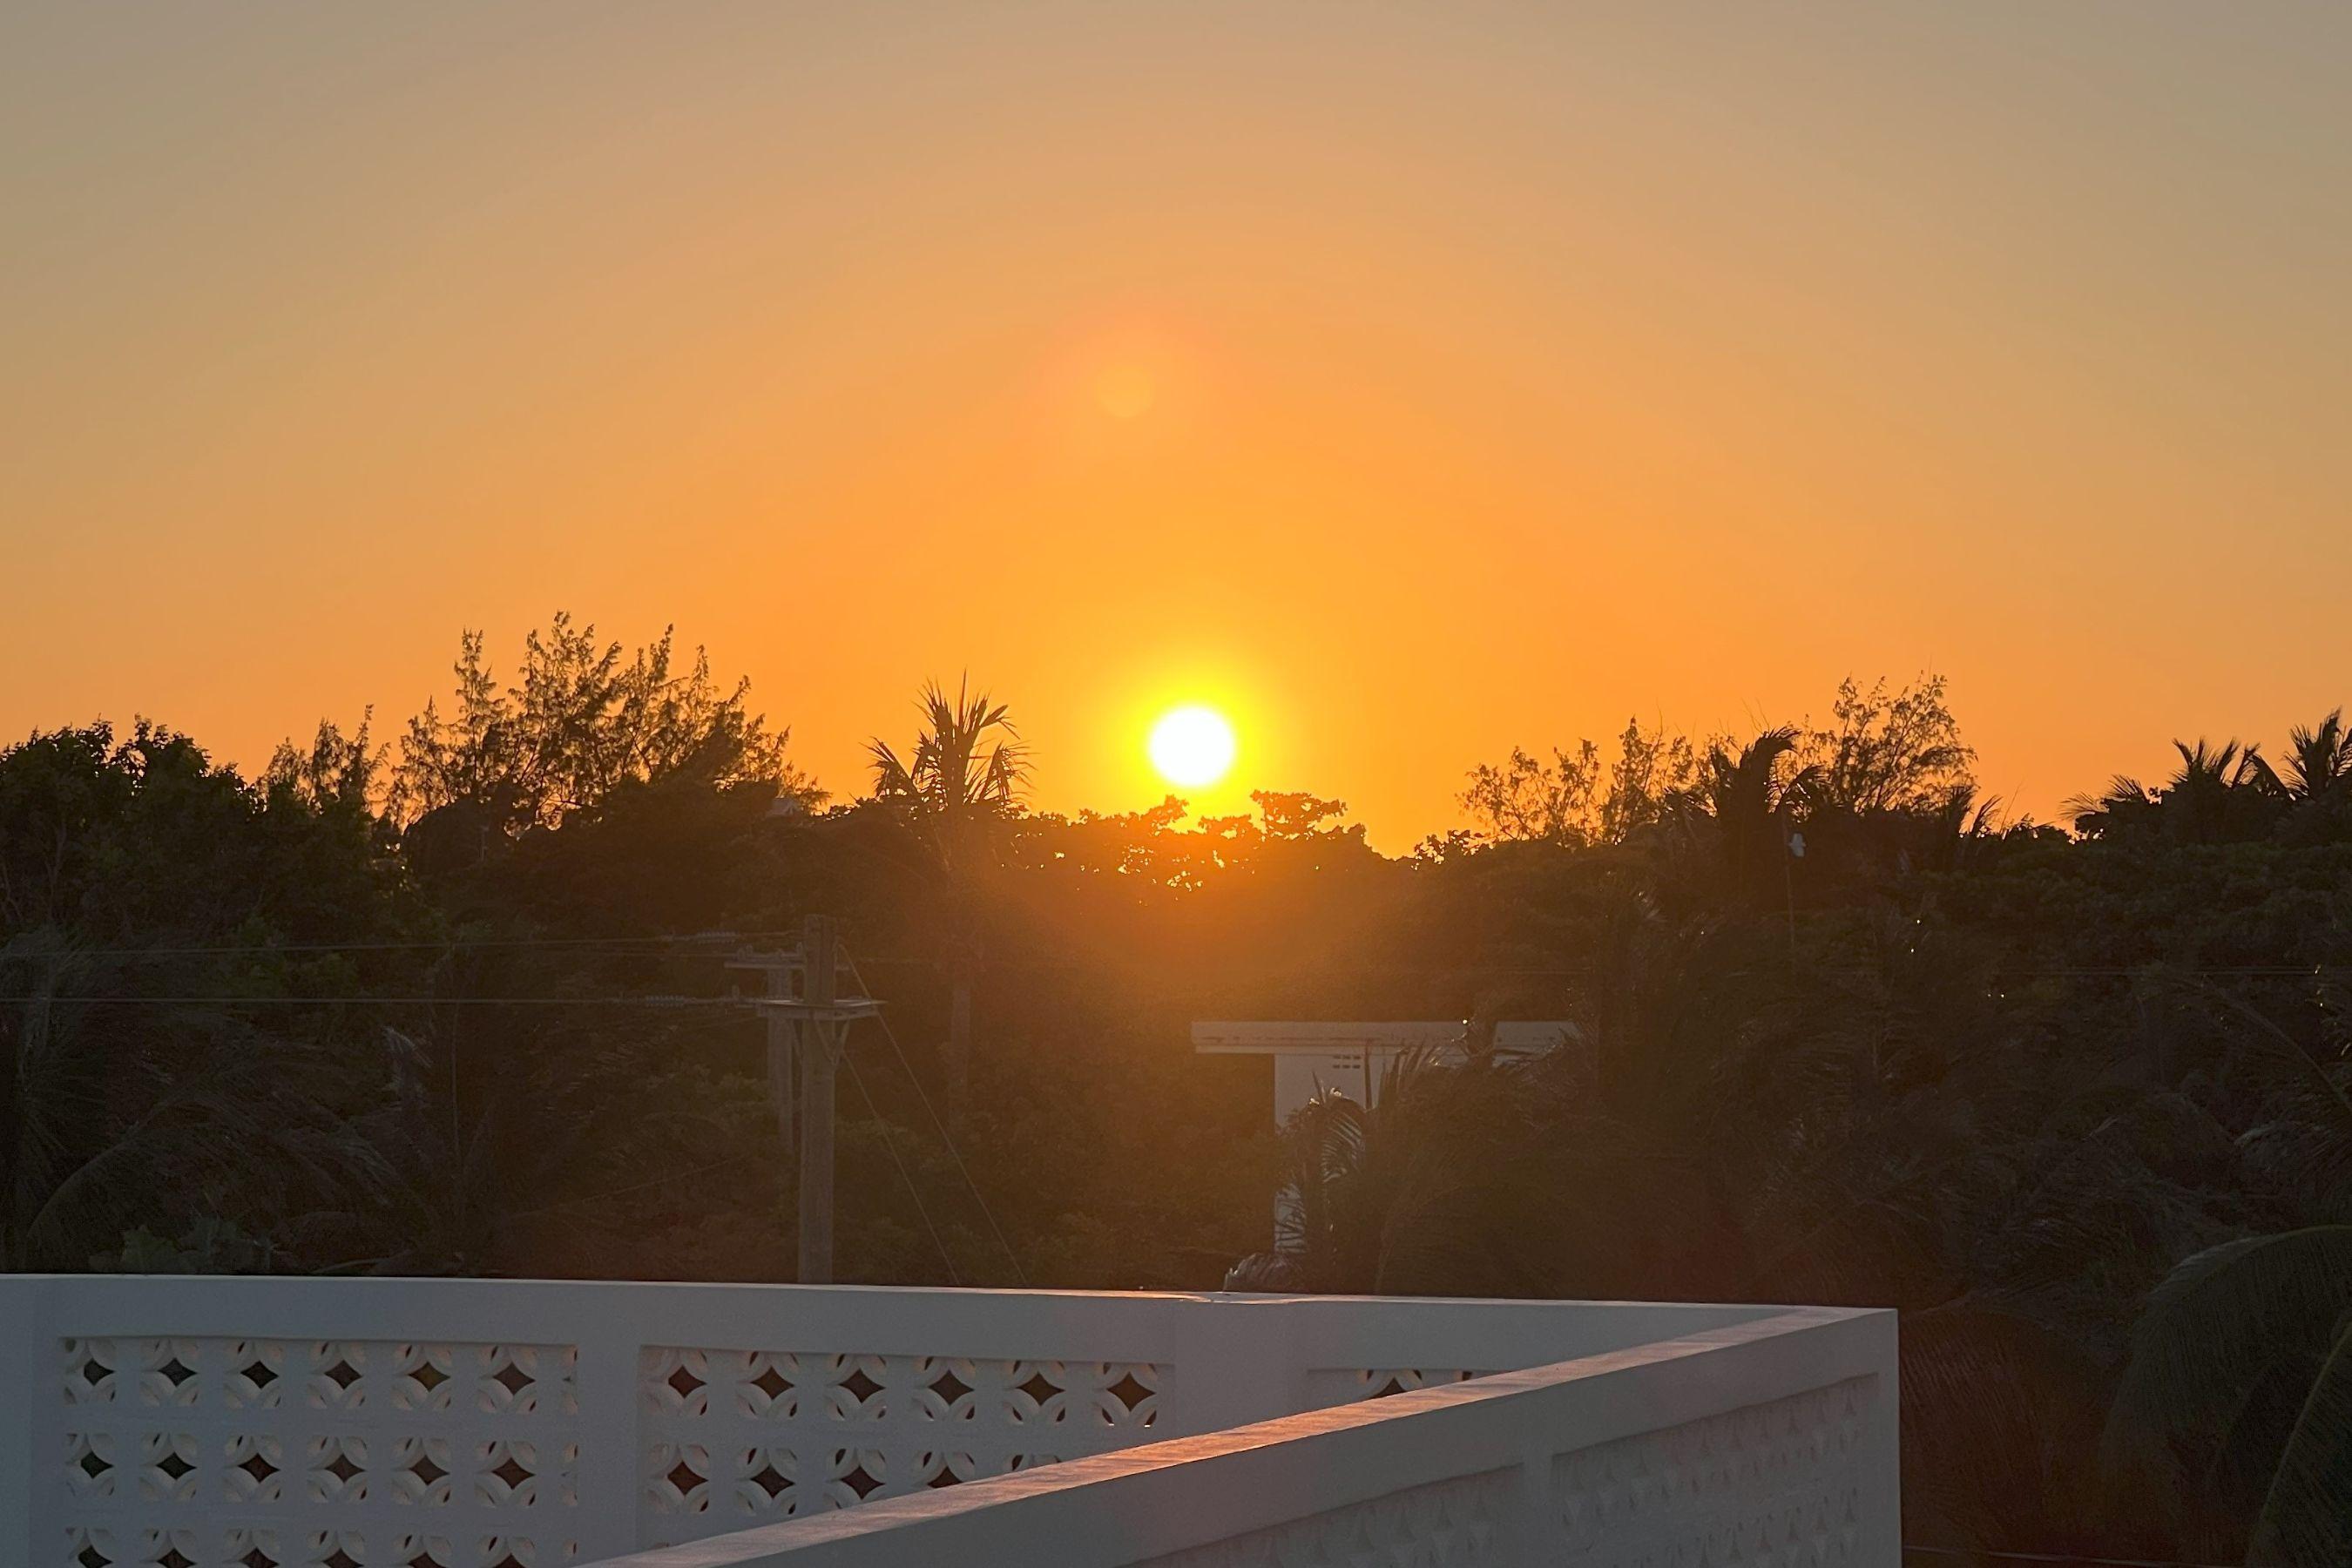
(259, 1423)
(1309, 1057)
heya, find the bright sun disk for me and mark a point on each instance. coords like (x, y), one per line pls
(1192, 746)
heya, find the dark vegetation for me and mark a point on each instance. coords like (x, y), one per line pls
(2074, 1098)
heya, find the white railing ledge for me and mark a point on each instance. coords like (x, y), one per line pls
(229, 1422)
(1498, 1440)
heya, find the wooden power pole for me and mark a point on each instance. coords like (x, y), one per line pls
(776, 971)
(808, 1027)
(819, 1059)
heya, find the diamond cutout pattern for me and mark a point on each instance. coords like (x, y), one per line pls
(160, 1435)
(859, 1476)
(737, 1436)
(149, 1434)
(1131, 1392)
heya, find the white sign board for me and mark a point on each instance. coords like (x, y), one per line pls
(1353, 1059)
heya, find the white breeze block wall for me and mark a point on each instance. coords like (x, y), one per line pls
(188, 1423)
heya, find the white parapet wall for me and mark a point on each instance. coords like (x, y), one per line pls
(260, 1423)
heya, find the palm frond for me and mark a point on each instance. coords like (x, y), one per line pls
(2209, 1332)
(2304, 1521)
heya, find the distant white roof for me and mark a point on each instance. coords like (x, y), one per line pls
(1516, 1037)
(1313, 1056)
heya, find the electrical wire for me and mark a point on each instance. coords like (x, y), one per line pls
(676, 1002)
(891, 1145)
(636, 1187)
(891, 1035)
(706, 940)
(655, 1004)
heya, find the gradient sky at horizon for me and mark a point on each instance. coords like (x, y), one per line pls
(1410, 382)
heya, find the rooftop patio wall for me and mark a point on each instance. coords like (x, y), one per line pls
(433, 1424)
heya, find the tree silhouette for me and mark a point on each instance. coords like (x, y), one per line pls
(954, 796)
(583, 722)
(1741, 813)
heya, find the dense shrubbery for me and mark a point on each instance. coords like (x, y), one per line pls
(2076, 1100)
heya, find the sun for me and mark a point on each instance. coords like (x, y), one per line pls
(1126, 391)
(1192, 746)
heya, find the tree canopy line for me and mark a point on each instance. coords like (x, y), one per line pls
(2074, 1097)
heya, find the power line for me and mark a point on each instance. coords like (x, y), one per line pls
(678, 1001)
(254, 950)
(1563, 971)
(636, 1187)
(891, 1035)
(658, 1003)
(892, 1145)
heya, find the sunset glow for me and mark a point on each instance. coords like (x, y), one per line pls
(1616, 378)
(1563, 661)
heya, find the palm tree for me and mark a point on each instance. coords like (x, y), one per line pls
(561, 1110)
(2243, 1339)
(954, 797)
(118, 1114)
(2125, 804)
(2197, 798)
(2320, 761)
(1748, 809)
(1436, 1189)
(2242, 1356)
(2218, 793)
(2318, 765)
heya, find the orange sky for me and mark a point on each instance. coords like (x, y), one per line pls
(1411, 381)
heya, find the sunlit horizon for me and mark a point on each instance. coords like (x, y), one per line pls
(757, 758)
(1410, 383)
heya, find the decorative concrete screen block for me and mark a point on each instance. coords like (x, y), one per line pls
(1765, 1486)
(152, 1422)
(1449, 1524)
(265, 1453)
(1338, 1386)
(734, 1438)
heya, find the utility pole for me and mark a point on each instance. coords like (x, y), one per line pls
(808, 1027)
(777, 970)
(1793, 849)
(818, 1061)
